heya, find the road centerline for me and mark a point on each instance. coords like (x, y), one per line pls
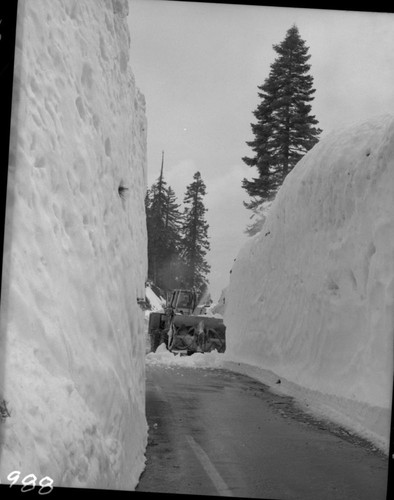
(210, 469)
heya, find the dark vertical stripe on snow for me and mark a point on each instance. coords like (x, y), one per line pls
(8, 16)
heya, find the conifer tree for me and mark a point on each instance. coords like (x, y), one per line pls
(285, 129)
(163, 227)
(154, 202)
(195, 244)
(171, 263)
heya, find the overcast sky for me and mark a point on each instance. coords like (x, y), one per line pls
(199, 65)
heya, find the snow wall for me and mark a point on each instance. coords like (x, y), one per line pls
(74, 263)
(311, 297)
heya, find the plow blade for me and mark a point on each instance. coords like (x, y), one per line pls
(196, 334)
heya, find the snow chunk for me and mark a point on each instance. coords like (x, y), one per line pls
(166, 358)
(156, 303)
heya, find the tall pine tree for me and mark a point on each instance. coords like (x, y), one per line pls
(163, 227)
(171, 264)
(285, 129)
(195, 244)
(154, 202)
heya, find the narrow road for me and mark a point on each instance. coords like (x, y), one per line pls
(215, 432)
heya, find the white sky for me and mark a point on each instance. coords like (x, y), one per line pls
(199, 65)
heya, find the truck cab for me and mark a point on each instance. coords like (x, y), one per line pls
(182, 301)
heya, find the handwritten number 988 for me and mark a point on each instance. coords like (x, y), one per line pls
(29, 482)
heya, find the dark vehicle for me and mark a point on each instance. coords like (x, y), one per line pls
(183, 328)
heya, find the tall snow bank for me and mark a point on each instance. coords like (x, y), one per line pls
(311, 296)
(72, 335)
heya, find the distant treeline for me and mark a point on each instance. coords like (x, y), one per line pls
(177, 238)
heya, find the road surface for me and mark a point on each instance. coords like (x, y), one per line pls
(215, 432)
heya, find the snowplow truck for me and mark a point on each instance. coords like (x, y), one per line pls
(183, 328)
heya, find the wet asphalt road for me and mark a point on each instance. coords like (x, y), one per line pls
(215, 432)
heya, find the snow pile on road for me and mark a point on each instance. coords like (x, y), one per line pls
(166, 358)
(311, 297)
(156, 303)
(220, 306)
(72, 336)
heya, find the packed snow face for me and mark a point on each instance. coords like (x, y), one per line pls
(311, 297)
(74, 264)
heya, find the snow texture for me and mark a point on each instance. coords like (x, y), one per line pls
(311, 296)
(167, 359)
(72, 334)
(220, 307)
(156, 303)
